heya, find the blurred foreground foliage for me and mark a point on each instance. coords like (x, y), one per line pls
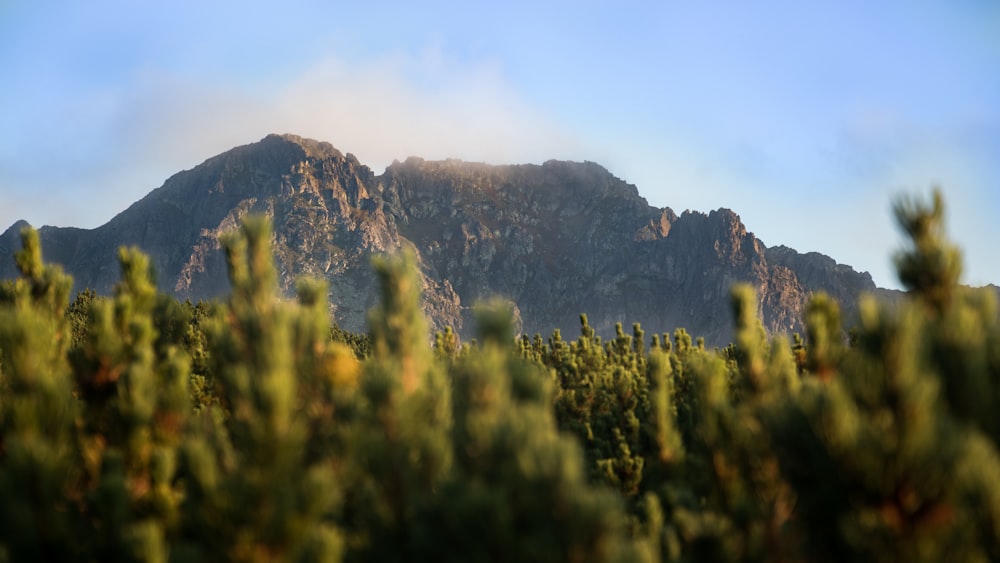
(137, 428)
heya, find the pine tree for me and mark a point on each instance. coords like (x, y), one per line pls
(37, 412)
(884, 467)
(399, 443)
(135, 406)
(518, 490)
(253, 491)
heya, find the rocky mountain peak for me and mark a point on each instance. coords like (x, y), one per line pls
(555, 239)
(15, 229)
(312, 149)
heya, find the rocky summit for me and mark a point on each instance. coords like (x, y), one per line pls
(556, 239)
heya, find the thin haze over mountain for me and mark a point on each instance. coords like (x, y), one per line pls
(806, 119)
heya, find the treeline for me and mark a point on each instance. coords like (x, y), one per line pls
(137, 428)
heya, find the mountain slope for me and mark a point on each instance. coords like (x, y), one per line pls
(557, 239)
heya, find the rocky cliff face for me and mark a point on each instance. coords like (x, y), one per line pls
(557, 240)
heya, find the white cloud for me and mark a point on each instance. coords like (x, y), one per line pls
(380, 110)
(377, 110)
(380, 114)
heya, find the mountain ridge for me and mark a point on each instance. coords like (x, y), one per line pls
(557, 239)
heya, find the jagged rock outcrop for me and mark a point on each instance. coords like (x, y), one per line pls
(556, 239)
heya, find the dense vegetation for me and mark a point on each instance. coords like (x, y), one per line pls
(134, 427)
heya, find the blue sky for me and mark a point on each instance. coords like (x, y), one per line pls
(806, 118)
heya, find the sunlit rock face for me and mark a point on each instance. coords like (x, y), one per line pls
(556, 239)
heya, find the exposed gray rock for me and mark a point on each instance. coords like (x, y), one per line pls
(555, 239)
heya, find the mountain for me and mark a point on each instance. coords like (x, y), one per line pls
(557, 239)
